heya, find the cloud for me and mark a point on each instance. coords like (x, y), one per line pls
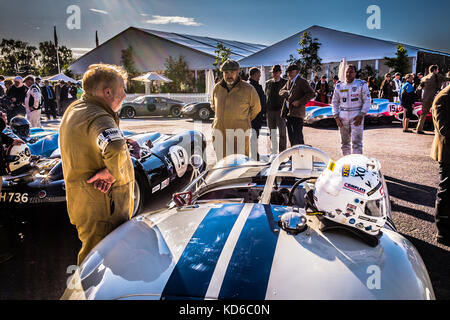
(173, 19)
(99, 11)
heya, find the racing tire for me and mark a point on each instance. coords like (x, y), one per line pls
(203, 114)
(128, 113)
(140, 187)
(175, 111)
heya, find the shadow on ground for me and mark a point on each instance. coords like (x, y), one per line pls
(437, 263)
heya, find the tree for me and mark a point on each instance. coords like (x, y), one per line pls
(401, 62)
(366, 72)
(222, 54)
(177, 70)
(309, 60)
(18, 58)
(127, 61)
(49, 63)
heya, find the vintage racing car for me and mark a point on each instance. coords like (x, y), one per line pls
(198, 111)
(151, 106)
(417, 111)
(163, 159)
(381, 111)
(247, 230)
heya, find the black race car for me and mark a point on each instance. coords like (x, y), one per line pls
(163, 159)
(198, 111)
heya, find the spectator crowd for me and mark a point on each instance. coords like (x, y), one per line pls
(31, 97)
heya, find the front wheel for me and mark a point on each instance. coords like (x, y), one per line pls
(128, 112)
(175, 111)
(204, 114)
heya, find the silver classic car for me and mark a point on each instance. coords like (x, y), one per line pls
(241, 230)
(150, 105)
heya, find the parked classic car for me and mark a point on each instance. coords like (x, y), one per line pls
(150, 105)
(198, 111)
(163, 159)
(417, 111)
(381, 111)
(240, 231)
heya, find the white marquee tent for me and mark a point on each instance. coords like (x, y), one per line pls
(336, 45)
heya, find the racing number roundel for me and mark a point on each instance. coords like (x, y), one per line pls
(179, 157)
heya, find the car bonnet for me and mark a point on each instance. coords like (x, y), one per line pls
(237, 251)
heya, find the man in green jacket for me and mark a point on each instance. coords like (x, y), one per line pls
(97, 167)
(440, 151)
(235, 103)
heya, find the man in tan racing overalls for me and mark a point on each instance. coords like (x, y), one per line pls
(97, 166)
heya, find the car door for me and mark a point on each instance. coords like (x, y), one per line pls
(162, 106)
(150, 106)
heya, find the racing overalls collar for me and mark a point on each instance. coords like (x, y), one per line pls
(99, 102)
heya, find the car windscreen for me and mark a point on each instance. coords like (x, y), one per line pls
(139, 99)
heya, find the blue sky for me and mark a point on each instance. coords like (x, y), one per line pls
(422, 23)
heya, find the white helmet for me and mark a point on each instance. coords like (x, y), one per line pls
(179, 158)
(350, 192)
(17, 156)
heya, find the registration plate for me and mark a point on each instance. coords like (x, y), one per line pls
(11, 197)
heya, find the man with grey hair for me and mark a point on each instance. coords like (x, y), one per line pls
(351, 102)
(235, 103)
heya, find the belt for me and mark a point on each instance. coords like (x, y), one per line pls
(351, 109)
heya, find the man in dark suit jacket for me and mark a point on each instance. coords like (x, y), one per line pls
(274, 105)
(296, 93)
(255, 75)
(49, 100)
(440, 151)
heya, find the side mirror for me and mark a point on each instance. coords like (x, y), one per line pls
(196, 162)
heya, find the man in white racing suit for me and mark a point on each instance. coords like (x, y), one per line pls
(33, 102)
(351, 102)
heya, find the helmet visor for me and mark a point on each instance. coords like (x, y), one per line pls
(375, 208)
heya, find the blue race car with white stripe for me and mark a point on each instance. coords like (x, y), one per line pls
(230, 234)
(381, 111)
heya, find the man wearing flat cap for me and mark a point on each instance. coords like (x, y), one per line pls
(235, 103)
(274, 104)
(296, 93)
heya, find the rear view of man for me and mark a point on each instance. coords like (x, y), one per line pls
(97, 166)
